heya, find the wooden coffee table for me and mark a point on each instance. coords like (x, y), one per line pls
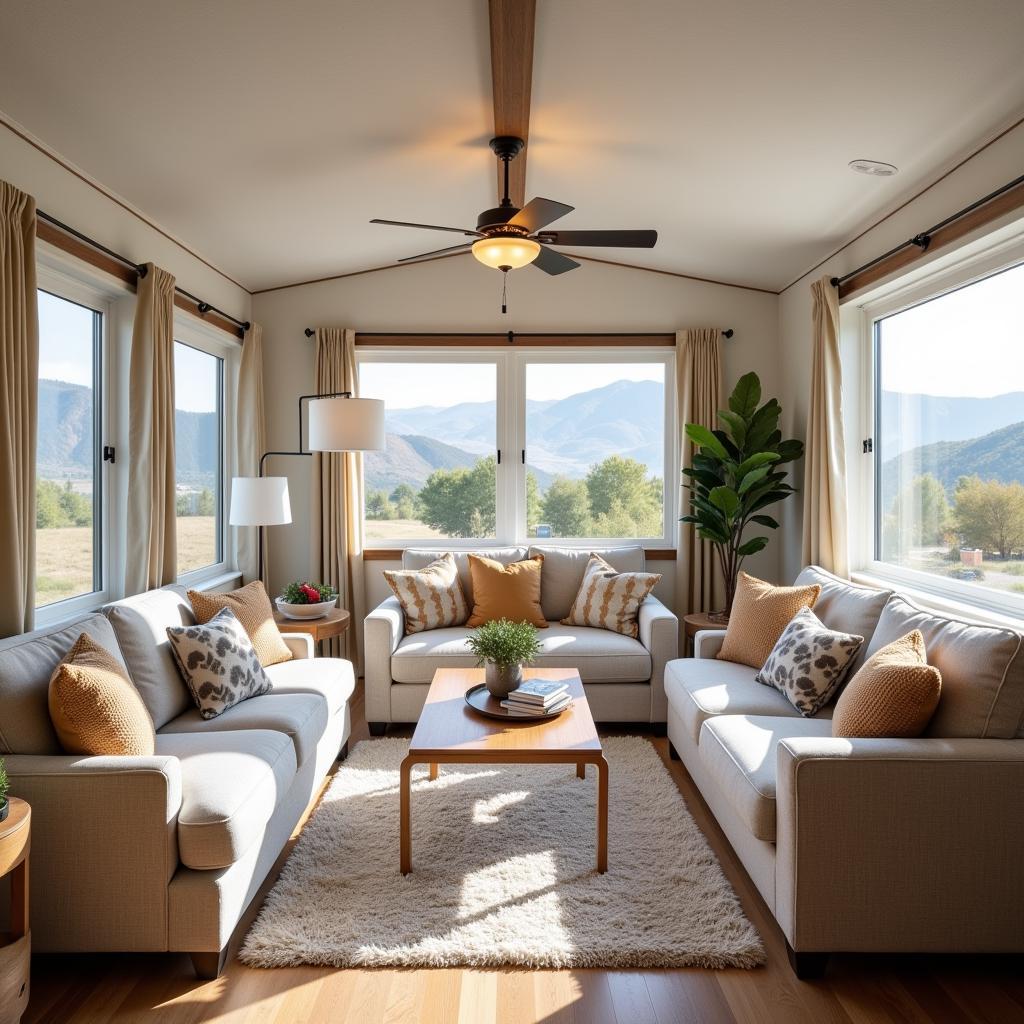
(450, 732)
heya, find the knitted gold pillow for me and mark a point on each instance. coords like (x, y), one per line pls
(252, 609)
(760, 613)
(895, 693)
(94, 706)
(431, 597)
(610, 600)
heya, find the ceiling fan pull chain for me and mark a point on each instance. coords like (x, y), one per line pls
(504, 288)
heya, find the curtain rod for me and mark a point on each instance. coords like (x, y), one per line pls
(923, 238)
(512, 335)
(139, 268)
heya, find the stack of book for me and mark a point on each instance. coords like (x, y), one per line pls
(538, 696)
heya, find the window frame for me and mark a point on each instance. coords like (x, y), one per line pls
(510, 497)
(973, 263)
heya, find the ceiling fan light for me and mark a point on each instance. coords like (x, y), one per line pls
(506, 251)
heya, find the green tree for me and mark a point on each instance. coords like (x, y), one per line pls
(920, 515)
(533, 504)
(49, 513)
(181, 505)
(461, 502)
(566, 508)
(990, 514)
(378, 505)
(405, 501)
(617, 479)
(206, 505)
(77, 508)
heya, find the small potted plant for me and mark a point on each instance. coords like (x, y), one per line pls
(503, 648)
(305, 600)
(5, 804)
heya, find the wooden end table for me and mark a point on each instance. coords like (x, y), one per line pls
(450, 732)
(334, 623)
(694, 623)
(15, 945)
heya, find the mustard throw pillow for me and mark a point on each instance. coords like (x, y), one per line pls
(94, 706)
(895, 693)
(610, 600)
(432, 597)
(252, 609)
(760, 613)
(506, 591)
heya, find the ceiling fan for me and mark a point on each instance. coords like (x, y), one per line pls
(507, 237)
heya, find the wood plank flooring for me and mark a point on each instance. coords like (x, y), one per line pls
(857, 989)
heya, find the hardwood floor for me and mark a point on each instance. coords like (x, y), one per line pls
(856, 990)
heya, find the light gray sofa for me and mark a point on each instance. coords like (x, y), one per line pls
(163, 853)
(881, 845)
(622, 677)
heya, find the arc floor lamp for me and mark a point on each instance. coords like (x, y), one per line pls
(337, 423)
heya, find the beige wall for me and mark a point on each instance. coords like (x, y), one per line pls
(459, 294)
(993, 167)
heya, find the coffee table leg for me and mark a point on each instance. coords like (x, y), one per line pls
(581, 769)
(433, 772)
(405, 839)
(602, 815)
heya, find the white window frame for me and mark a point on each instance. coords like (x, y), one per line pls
(510, 498)
(191, 331)
(982, 259)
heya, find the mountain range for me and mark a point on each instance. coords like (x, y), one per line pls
(916, 420)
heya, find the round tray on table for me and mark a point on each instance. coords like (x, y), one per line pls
(480, 700)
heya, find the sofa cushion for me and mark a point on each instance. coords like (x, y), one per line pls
(420, 558)
(431, 598)
(27, 662)
(330, 678)
(600, 656)
(231, 784)
(702, 688)
(609, 599)
(739, 753)
(982, 670)
(846, 607)
(503, 591)
(302, 717)
(562, 574)
(141, 623)
(252, 608)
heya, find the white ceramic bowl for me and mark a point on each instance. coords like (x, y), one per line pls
(304, 611)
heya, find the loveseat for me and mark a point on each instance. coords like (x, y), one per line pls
(163, 853)
(622, 676)
(881, 845)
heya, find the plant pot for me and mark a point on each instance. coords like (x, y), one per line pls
(501, 680)
(5, 808)
(316, 610)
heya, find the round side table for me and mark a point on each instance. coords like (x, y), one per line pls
(694, 623)
(15, 945)
(334, 623)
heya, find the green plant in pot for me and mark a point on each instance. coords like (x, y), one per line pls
(5, 805)
(503, 648)
(736, 475)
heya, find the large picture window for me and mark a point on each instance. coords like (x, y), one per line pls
(511, 446)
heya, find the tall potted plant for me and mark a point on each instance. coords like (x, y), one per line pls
(736, 474)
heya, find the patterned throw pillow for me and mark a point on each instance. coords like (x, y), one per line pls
(432, 597)
(610, 599)
(218, 662)
(809, 661)
(251, 606)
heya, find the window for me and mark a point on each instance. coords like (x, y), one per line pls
(508, 446)
(199, 457)
(948, 437)
(69, 552)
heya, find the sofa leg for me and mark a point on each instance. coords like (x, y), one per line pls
(377, 728)
(659, 728)
(343, 753)
(672, 752)
(807, 966)
(208, 966)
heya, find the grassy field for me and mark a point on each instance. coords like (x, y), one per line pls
(399, 529)
(64, 556)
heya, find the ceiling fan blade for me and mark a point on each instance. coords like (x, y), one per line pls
(465, 247)
(553, 263)
(622, 239)
(538, 212)
(428, 227)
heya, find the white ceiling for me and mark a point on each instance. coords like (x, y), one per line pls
(266, 134)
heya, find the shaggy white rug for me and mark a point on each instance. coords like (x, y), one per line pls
(503, 872)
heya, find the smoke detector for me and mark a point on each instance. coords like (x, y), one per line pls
(875, 168)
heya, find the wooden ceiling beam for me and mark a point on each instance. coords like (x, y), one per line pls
(512, 27)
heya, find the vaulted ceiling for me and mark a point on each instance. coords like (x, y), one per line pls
(267, 134)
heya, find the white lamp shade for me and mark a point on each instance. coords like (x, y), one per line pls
(346, 425)
(259, 501)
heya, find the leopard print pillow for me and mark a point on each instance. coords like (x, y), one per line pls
(218, 662)
(809, 662)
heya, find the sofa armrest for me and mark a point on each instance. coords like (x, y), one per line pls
(659, 633)
(300, 644)
(708, 642)
(382, 632)
(104, 847)
(929, 829)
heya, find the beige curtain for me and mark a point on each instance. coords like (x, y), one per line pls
(19, 375)
(824, 524)
(699, 583)
(250, 443)
(338, 496)
(152, 555)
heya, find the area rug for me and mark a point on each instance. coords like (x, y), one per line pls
(503, 872)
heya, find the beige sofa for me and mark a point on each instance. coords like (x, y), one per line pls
(883, 845)
(164, 852)
(623, 677)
